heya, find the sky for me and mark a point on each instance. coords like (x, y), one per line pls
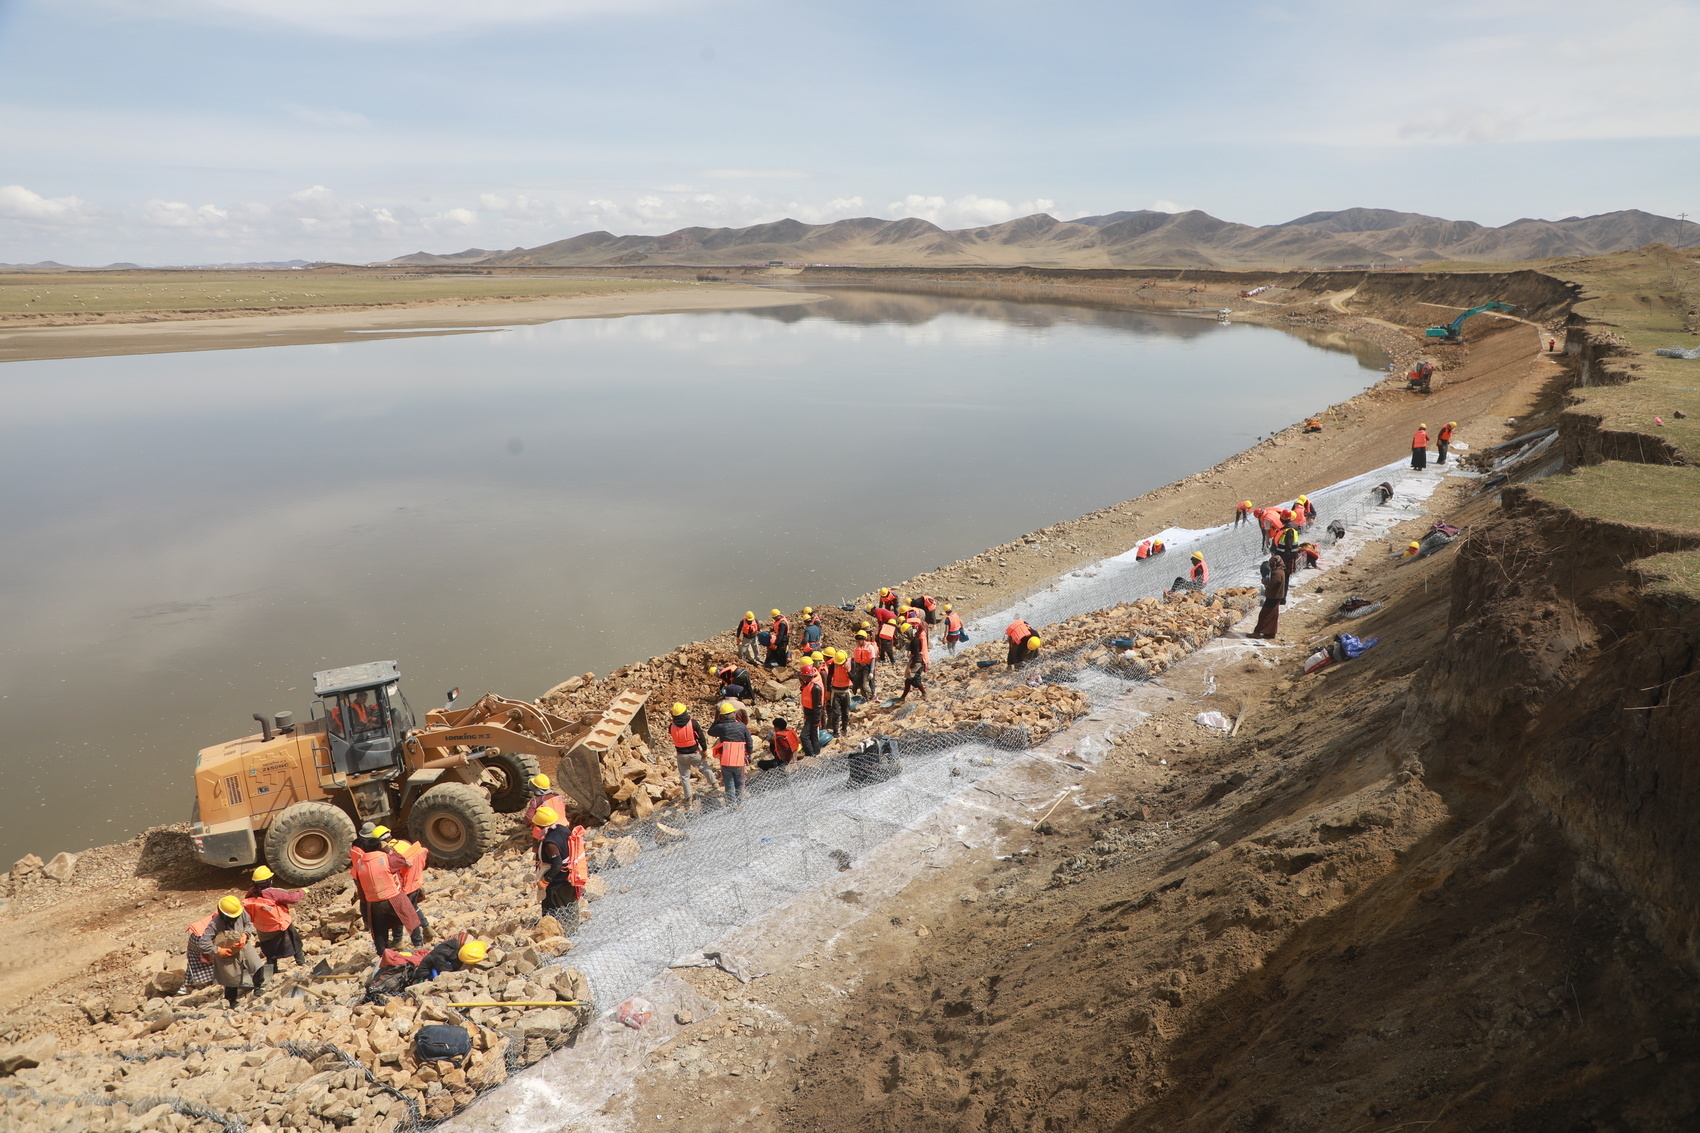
(207, 131)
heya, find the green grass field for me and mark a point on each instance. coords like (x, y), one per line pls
(122, 292)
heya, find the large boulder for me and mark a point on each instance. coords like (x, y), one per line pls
(30, 1052)
(61, 867)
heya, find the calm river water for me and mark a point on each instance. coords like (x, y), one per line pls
(190, 536)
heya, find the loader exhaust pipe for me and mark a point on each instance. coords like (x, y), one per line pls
(265, 727)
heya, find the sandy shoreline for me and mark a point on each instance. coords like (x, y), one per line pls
(395, 320)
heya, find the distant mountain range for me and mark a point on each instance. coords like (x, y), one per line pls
(1141, 238)
(54, 265)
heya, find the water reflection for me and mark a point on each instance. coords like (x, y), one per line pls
(190, 536)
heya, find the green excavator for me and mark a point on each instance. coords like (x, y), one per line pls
(1454, 330)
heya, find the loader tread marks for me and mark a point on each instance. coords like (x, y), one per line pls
(456, 823)
(514, 772)
(308, 843)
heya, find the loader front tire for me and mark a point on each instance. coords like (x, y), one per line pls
(508, 779)
(455, 822)
(308, 842)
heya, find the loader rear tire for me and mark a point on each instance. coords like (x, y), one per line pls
(455, 822)
(308, 842)
(508, 779)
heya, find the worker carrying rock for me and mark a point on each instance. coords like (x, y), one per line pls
(1023, 643)
(748, 630)
(733, 744)
(779, 641)
(272, 913)
(689, 748)
(562, 872)
(862, 666)
(222, 951)
(377, 871)
(1419, 448)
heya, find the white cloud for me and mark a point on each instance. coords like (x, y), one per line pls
(1166, 206)
(394, 19)
(757, 174)
(331, 116)
(19, 203)
(967, 212)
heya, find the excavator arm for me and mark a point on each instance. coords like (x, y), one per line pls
(1454, 330)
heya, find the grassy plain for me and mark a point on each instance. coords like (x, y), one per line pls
(45, 295)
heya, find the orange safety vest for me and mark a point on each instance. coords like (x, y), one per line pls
(201, 926)
(684, 736)
(889, 601)
(1201, 572)
(1446, 432)
(813, 693)
(578, 871)
(841, 676)
(748, 628)
(1420, 439)
(414, 875)
(1157, 547)
(1243, 509)
(863, 654)
(786, 743)
(888, 630)
(731, 753)
(267, 914)
(952, 623)
(1143, 550)
(1288, 537)
(372, 873)
(1019, 631)
(781, 624)
(928, 604)
(926, 646)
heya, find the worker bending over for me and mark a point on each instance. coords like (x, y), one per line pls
(1017, 632)
(1444, 440)
(1242, 513)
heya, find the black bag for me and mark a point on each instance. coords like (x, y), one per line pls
(874, 761)
(442, 1042)
(389, 981)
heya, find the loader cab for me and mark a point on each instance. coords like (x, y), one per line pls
(366, 717)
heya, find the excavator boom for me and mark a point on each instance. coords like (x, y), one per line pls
(1454, 330)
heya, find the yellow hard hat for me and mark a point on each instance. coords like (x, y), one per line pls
(1422, 426)
(1033, 643)
(864, 625)
(1245, 503)
(842, 656)
(263, 873)
(870, 607)
(380, 832)
(776, 613)
(817, 655)
(1414, 546)
(884, 590)
(906, 627)
(947, 607)
(1452, 424)
(230, 906)
(749, 613)
(473, 952)
(1198, 556)
(679, 709)
(862, 634)
(545, 816)
(808, 609)
(541, 782)
(905, 608)
(1304, 499)
(727, 708)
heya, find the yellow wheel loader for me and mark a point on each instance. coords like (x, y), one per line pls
(295, 794)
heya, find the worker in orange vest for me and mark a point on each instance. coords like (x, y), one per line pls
(1444, 440)
(887, 640)
(1305, 511)
(377, 888)
(412, 878)
(1419, 448)
(1200, 573)
(1242, 513)
(690, 748)
(562, 871)
(952, 630)
(813, 695)
(1143, 551)
(542, 795)
(1270, 520)
(732, 748)
(274, 919)
(782, 746)
(779, 641)
(838, 681)
(888, 599)
(862, 666)
(915, 672)
(748, 628)
(1018, 632)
